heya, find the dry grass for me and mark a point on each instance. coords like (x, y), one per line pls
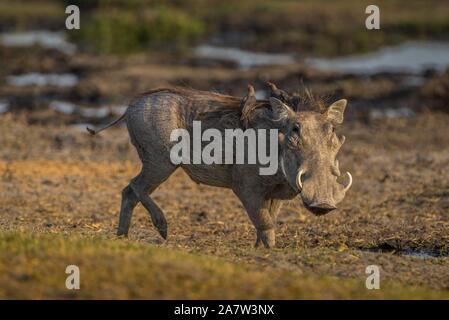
(60, 181)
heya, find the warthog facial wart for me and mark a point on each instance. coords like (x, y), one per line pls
(234, 140)
(265, 151)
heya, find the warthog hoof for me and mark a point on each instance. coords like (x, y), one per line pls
(122, 233)
(163, 232)
(267, 237)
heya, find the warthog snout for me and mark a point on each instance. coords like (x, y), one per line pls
(320, 208)
(321, 193)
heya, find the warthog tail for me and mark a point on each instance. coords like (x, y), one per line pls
(113, 123)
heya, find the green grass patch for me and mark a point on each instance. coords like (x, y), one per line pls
(122, 31)
(32, 266)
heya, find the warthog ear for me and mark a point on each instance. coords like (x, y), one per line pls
(247, 105)
(335, 112)
(280, 110)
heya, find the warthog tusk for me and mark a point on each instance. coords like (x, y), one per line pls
(283, 168)
(350, 181)
(298, 179)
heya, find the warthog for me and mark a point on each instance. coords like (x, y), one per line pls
(307, 149)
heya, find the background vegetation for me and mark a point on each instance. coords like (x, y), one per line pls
(307, 27)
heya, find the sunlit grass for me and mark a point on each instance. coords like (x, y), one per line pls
(33, 266)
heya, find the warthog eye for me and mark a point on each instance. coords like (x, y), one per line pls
(296, 129)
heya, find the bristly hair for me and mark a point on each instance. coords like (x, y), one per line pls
(308, 101)
(226, 112)
(301, 100)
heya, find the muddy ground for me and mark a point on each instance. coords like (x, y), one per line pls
(56, 179)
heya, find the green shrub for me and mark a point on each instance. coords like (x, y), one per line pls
(123, 31)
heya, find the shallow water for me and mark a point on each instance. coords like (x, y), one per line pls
(104, 111)
(63, 107)
(42, 79)
(101, 112)
(80, 127)
(409, 57)
(420, 255)
(118, 110)
(245, 59)
(43, 38)
(261, 94)
(4, 106)
(424, 255)
(392, 113)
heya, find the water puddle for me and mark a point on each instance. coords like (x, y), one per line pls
(409, 57)
(4, 106)
(97, 113)
(63, 107)
(392, 113)
(118, 110)
(261, 94)
(244, 59)
(43, 38)
(423, 254)
(80, 127)
(66, 107)
(41, 79)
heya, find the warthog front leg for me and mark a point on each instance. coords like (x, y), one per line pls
(272, 206)
(261, 218)
(261, 211)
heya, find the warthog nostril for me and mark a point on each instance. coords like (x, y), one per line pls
(324, 206)
(320, 208)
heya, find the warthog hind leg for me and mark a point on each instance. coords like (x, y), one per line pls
(138, 189)
(129, 202)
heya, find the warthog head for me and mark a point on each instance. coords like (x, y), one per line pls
(309, 147)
